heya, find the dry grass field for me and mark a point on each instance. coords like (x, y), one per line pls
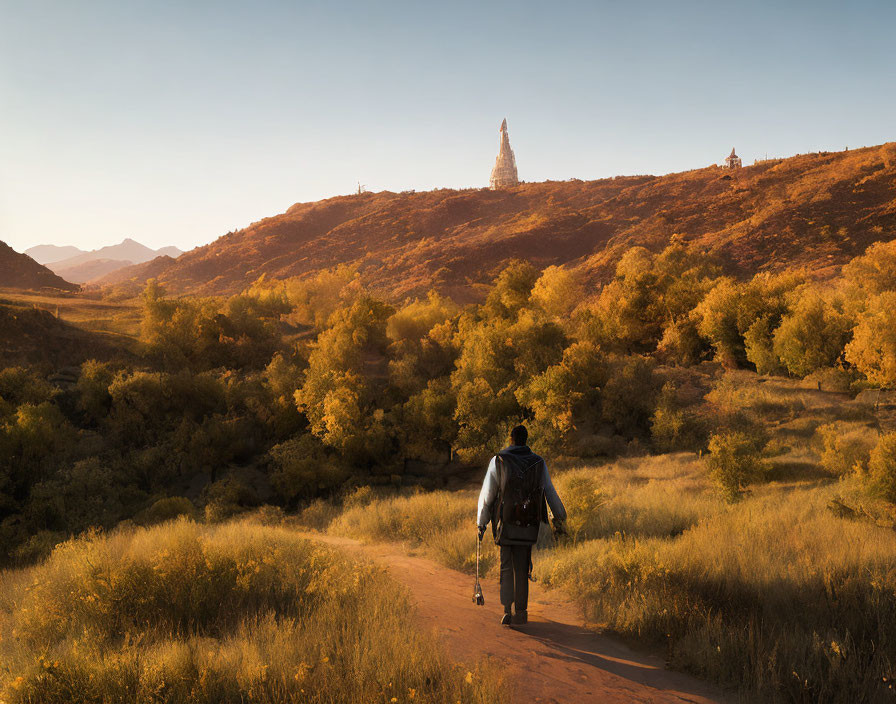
(237, 612)
(785, 595)
(87, 311)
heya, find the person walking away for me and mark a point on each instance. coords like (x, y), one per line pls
(515, 495)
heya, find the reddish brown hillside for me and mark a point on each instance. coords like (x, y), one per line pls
(816, 210)
(21, 271)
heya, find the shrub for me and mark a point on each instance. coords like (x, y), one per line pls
(302, 469)
(882, 468)
(165, 510)
(837, 379)
(844, 450)
(38, 546)
(628, 398)
(735, 460)
(583, 499)
(227, 498)
(672, 426)
(230, 613)
(318, 514)
(360, 497)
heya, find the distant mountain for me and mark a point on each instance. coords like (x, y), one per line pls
(92, 269)
(21, 271)
(85, 266)
(811, 210)
(127, 251)
(49, 253)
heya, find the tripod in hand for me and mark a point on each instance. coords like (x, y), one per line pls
(478, 599)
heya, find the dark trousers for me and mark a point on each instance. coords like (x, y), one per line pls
(515, 576)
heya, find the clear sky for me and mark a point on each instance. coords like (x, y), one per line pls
(174, 121)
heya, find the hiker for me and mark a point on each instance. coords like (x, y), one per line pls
(514, 495)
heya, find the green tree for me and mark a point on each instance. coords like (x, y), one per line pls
(423, 345)
(629, 395)
(511, 290)
(812, 336)
(303, 468)
(565, 396)
(427, 421)
(759, 346)
(730, 309)
(343, 381)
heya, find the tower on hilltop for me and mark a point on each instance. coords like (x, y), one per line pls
(733, 160)
(504, 173)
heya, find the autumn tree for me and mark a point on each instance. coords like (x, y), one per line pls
(345, 370)
(813, 335)
(422, 342)
(566, 396)
(873, 347)
(557, 292)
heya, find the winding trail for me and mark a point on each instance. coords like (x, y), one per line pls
(553, 659)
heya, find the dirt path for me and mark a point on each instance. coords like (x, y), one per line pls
(552, 659)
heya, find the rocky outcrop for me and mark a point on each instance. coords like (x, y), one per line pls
(504, 174)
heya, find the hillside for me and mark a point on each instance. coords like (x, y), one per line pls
(35, 336)
(814, 210)
(21, 271)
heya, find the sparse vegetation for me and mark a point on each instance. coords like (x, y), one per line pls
(325, 400)
(736, 460)
(739, 594)
(232, 613)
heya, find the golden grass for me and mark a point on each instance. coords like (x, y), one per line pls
(86, 311)
(775, 595)
(237, 612)
(441, 523)
(788, 595)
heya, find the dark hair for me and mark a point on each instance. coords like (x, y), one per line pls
(519, 435)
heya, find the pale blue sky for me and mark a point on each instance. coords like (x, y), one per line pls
(174, 122)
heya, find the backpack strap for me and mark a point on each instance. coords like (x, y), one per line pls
(495, 508)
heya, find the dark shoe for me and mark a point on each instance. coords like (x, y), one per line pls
(520, 617)
(505, 620)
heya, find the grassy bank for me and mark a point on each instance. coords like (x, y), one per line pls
(239, 612)
(784, 596)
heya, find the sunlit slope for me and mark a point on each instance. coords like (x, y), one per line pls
(816, 210)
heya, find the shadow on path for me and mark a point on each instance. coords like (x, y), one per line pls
(552, 659)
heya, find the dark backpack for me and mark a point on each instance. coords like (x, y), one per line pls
(520, 504)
